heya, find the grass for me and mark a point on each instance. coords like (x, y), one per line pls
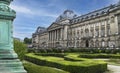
(33, 68)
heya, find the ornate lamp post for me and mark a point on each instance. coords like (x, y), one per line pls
(9, 62)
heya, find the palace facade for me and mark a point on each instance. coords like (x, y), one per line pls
(98, 29)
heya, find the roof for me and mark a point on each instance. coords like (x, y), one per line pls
(41, 30)
(67, 14)
(94, 14)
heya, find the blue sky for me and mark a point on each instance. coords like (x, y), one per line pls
(34, 13)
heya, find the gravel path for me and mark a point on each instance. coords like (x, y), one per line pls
(114, 68)
(111, 68)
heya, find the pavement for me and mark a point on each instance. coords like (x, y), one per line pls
(114, 68)
(111, 68)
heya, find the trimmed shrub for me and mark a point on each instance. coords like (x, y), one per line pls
(32, 68)
(100, 56)
(79, 50)
(51, 54)
(20, 48)
(85, 66)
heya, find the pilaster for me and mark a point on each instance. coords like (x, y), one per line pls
(105, 23)
(99, 29)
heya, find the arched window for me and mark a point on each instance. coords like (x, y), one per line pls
(92, 31)
(97, 31)
(108, 29)
(91, 43)
(97, 43)
(77, 44)
(87, 32)
(102, 31)
(103, 43)
(81, 32)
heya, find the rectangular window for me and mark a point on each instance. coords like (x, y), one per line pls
(102, 32)
(97, 33)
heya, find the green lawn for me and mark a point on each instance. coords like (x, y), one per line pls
(33, 68)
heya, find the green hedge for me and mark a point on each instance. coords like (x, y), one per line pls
(74, 57)
(86, 66)
(32, 68)
(78, 50)
(116, 56)
(51, 54)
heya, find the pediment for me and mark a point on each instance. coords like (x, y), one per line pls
(54, 25)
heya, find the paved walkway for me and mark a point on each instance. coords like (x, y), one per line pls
(112, 68)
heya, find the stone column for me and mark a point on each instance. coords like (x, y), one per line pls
(58, 34)
(9, 62)
(49, 39)
(105, 23)
(89, 31)
(116, 24)
(55, 34)
(99, 29)
(75, 37)
(61, 34)
(94, 30)
(53, 37)
(49, 35)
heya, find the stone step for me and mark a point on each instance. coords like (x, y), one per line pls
(12, 60)
(19, 71)
(9, 62)
(11, 66)
(8, 56)
(6, 50)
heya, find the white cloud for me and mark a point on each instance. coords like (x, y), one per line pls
(21, 9)
(30, 11)
(22, 35)
(24, 28)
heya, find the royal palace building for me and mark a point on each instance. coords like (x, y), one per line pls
(98, 29)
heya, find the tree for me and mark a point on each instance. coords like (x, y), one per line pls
(27, 40)
(20, 48)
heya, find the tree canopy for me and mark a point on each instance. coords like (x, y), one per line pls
(27, 40)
